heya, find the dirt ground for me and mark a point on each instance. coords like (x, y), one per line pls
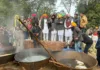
(14, 66)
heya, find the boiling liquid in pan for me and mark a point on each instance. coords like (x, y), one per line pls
(71, 63)
(34, 58)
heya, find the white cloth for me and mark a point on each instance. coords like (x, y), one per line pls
(53, 35)
(60, 32)
(54, 32)
(60, 38)
(45, 36)
(45, 29)
(60, 35)
(68, 35)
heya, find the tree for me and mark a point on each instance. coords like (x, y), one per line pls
(92, 11)
(68, 3)
(4, 11)
(9, 8)
(42, 6)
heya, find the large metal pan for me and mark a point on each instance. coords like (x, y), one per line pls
(6, 55)
(63, 56)
(5, 58)
(7, 51)
(34, 65)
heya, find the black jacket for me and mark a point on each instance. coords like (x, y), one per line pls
(60, 24)
(36, 29)
(77, 21)
(87, 39)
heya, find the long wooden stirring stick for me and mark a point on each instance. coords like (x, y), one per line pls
(37, 40)
(57, 63)
(53, 59)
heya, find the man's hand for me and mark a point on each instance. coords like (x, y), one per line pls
(71, 44)
(76, 38)
(37, 34)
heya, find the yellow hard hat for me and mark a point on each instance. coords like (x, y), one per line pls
(59, 16)
(73, 24)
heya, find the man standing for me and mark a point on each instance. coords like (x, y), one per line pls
(34, 19)
(68, 31)
(83, 21)
(60, 27)
(77, 37)
(44, 26)
(88, 41)
(53, 27)
(76, 19)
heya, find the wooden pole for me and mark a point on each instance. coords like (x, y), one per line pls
(37, 40)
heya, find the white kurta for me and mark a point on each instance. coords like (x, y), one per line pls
(60, 32)
(53, 35)
(68, 34)
(45, 30)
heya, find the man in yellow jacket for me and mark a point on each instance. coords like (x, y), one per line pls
(83, 21)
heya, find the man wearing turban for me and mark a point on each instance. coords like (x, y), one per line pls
(77, 36)
(44, 26)
(60, 27)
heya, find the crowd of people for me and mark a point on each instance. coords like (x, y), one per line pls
(56, 27)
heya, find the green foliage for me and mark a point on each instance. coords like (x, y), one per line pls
(9, 8)
(42, 6)
(4, 11)
(92, 11)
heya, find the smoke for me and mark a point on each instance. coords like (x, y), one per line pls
(10, 37)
